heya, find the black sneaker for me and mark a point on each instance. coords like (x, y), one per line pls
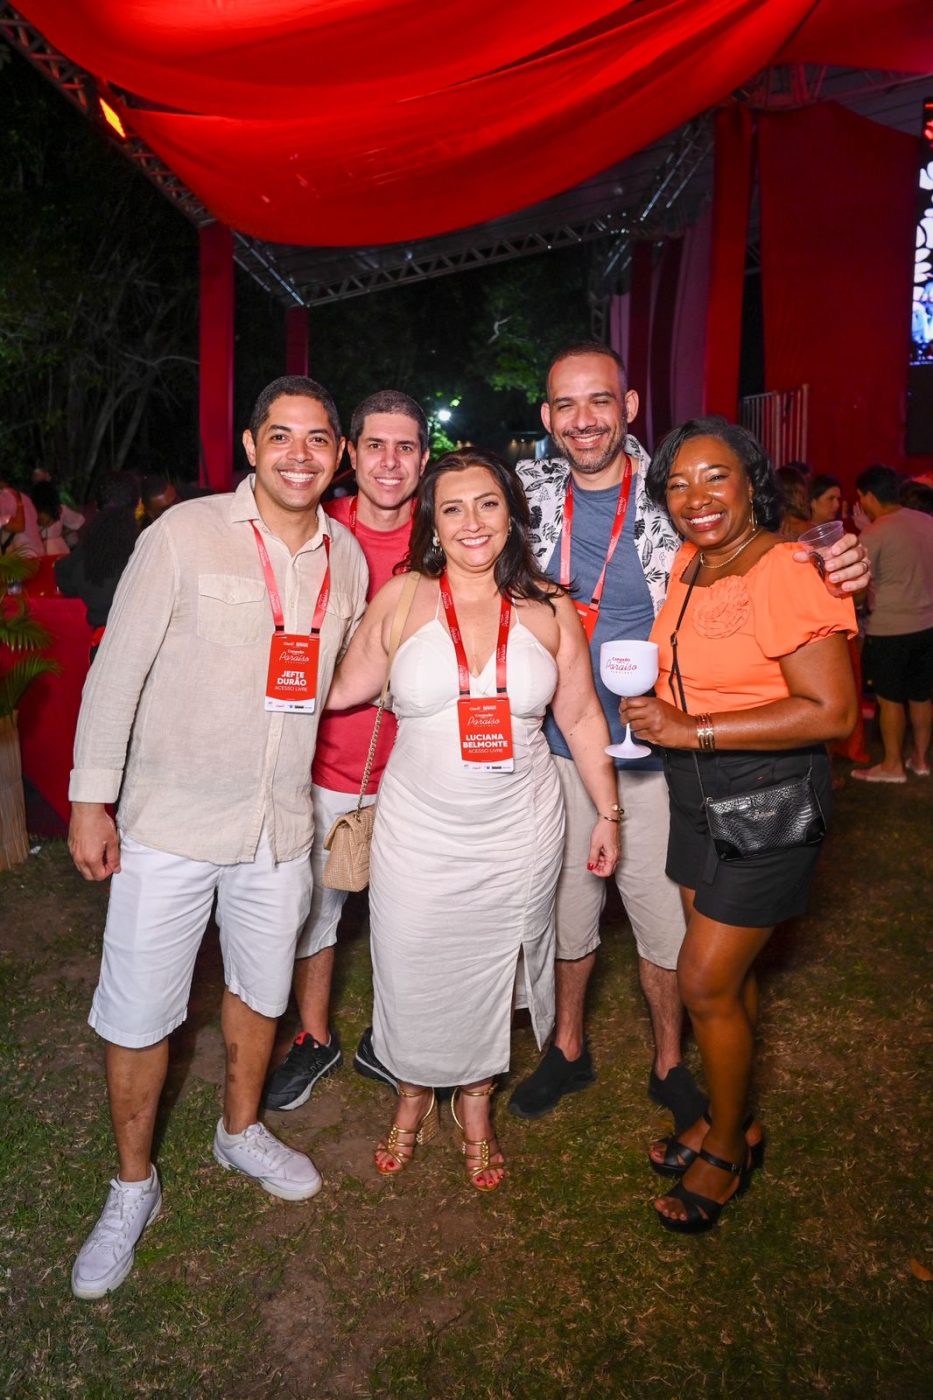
(555, 1076)
(290, 1084)
(368, 1065)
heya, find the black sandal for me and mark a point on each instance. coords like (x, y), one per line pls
(678, 1156)
(702, 1213)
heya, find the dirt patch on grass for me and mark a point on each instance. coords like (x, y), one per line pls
(380, 1262)
(79, 973)
(328, 1351)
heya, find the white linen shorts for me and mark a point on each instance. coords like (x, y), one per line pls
(159, 908)
(320, 930)
(652, 901)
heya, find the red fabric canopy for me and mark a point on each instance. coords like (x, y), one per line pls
(348, 122)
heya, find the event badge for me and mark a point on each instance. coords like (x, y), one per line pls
(485, 720)
(588, 613)
(292, 678)
(486, 733)
(291, 682)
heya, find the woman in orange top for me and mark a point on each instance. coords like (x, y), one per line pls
(764, 682)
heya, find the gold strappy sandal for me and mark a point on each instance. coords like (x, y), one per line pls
(477, 1151)
(400, 1142)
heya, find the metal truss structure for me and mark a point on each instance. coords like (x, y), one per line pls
(802, 84)
(415, 266)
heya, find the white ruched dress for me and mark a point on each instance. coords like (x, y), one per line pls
(463, 870)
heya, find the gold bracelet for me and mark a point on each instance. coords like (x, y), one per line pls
(619, 812)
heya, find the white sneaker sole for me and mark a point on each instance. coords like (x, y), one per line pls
(378, 1073)
(91, 1291)
(274, 1188)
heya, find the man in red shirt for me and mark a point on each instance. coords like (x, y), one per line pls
(388, 447)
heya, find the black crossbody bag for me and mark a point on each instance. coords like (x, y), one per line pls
(775, 817)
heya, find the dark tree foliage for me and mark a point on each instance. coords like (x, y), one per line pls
(99, 315)
(483, 337)
(98, 298)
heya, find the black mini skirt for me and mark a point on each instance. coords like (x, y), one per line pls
(759, 891)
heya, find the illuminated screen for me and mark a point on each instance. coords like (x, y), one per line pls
(920, 373)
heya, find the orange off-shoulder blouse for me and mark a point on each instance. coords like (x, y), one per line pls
(735, 632)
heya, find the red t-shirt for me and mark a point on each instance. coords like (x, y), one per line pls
(343, 737)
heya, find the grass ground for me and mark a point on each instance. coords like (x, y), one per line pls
(561, 1284)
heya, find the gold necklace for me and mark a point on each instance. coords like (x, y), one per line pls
(723, 562)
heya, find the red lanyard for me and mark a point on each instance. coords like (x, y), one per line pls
(463, 670)
(625, 490)
(320, 607)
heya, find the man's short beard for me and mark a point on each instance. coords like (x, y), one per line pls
(593, 468)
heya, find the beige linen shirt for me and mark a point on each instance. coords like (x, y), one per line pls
(172, 717)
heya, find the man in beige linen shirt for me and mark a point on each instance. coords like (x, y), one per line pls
(214, 794)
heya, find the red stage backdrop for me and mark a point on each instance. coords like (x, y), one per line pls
(837, 200)
(376, 121)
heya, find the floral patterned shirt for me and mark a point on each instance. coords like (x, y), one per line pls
(656, 540)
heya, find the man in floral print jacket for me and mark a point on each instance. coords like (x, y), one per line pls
(595, 495)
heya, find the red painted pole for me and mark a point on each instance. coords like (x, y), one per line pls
(732, 192)
(296, 340)
(216, 377)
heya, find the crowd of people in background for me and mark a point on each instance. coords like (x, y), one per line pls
(487, 879)
(893, 516)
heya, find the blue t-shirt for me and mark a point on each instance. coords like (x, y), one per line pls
(626, 612)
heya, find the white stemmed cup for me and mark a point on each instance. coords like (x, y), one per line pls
(628, 668)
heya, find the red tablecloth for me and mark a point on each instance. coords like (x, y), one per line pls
(49, 710)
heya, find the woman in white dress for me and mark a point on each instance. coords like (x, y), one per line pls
(469, 825)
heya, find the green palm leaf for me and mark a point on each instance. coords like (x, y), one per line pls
(16, 567)
(20, 632)
(21, 675)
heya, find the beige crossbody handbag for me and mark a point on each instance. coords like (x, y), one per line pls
(349, 838)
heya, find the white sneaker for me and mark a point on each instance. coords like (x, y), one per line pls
(106, 1257)
(256, 1152)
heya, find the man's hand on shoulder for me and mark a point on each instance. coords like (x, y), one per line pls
(93, 840)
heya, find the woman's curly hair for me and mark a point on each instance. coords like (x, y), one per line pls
(766, 494)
